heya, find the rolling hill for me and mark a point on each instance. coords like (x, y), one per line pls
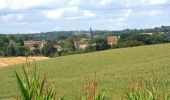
(114, 69)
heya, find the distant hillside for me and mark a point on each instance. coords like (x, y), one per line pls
(114, 69)
(55, 34)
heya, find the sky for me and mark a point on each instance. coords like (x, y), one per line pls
(29, 16)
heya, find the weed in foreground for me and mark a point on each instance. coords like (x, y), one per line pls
(144, 90)
(92, 91)
(33, 87)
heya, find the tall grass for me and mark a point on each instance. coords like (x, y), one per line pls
(140, 89)
(92, 91)
(33, 86)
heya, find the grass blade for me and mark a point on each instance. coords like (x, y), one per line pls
(21, 86)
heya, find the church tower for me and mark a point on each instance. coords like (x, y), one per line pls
(91, 35)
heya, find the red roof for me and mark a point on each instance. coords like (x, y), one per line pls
(112, 39)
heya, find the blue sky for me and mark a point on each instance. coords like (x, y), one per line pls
(23, 16)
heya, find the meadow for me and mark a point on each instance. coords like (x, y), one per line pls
(114, 70)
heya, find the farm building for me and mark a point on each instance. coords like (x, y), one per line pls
(112, 39)
(34, 44)
(82, 44)
(58, 46)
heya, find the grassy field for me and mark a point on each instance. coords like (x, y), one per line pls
(114, 69)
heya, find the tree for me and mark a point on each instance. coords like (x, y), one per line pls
(22, 51)
(68, 45)
(48, 50)
(19, 42)
(101, 44)
(10, 50)
(90, 48)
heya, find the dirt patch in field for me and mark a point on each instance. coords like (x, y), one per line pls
(18, 60)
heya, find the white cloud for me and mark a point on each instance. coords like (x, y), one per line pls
(154, 2)
(151, 13)
(88, 13)
(2, 4)
(57, 13)
(154, 12)
(24, 4)
(158, 1)
(122, 19)
(13, 17)
(127, 13)
(73, 8)
(20, 17)
(57, 27)
(32, 31)
(73, 2)
(104, 2)
(6, 18)
(54, 14)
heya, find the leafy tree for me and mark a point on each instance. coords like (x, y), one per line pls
(101, 44)
(68, 45)
(48, 49)
(19, 42)
(10, 50)
(22, 51)
(90, 48)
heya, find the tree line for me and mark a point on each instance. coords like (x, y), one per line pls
(13, 45)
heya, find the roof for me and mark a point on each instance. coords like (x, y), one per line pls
(31, 43)
(82, 42)
(112, 39)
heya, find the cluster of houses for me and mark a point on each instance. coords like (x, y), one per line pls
(82, 44)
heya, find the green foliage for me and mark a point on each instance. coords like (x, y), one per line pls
(10, 50)
(146, 39)
(12, 46)
(68, 45)
(89, 48)
(33, 87)
(23, 51)
(19, 41)
(101, 44)
(129, 43)
(48, 50)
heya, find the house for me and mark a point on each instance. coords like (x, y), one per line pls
(57, 46)
(112, 39)
(82, 44)
(34, 44)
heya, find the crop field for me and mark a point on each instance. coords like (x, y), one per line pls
(18, 60)
(114, 70)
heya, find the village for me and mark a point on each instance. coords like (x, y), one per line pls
(82, 44)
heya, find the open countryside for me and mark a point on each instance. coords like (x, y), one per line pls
(84, 49)
(114, 70)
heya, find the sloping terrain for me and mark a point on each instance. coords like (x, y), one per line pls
(114, 69)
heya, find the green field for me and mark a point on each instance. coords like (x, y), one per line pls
(114, 69)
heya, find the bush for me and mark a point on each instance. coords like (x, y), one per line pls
(129, 43)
